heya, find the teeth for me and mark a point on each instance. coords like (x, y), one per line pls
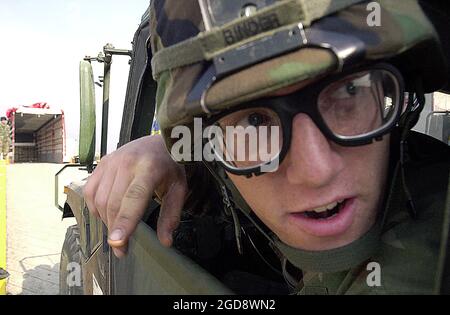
(332, 206)
(328, 207)
(320, 210)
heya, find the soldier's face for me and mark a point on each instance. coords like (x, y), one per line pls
(319, 174)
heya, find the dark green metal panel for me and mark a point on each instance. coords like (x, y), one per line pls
(153, 269)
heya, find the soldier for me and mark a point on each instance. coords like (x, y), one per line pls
(5, 138)
(349, 199)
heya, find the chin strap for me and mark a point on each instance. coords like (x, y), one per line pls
(416, 104)
(229, 207)
(231, 210)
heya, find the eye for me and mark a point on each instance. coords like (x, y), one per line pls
(346, 90)
(351, 89)
(248, 118)
(256, 119)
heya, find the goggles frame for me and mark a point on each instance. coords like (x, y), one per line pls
(286, 107)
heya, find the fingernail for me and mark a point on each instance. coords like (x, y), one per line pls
(116, 236)
(169, 238)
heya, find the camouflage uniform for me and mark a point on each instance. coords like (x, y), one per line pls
(5, 139)
(410, 248)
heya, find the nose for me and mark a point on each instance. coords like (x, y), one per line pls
(313, 160)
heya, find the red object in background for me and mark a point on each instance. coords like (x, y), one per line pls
(39, 105)
(9, 112)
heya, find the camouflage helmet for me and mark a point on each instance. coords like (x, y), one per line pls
(211, 55)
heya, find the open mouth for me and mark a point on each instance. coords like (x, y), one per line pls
(326, 212)
(330, 220)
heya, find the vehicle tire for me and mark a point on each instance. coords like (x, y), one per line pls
(71, 254)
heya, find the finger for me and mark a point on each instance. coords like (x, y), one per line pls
(170, 214)
(90, 190)
(122, 182)
(132, 209)
(104, 191)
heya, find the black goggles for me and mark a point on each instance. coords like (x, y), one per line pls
(353, 108)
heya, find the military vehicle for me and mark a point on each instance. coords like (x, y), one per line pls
(88, 265)
(149, 268)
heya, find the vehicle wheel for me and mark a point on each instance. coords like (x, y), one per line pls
(71, 264)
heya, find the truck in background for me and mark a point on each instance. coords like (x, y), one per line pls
(38, 134)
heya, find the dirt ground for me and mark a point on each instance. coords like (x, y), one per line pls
(35, 231)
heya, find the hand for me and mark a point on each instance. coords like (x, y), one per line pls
(120, 189)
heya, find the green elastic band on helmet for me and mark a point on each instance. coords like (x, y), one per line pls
(209, 44)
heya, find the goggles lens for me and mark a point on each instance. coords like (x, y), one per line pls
(359, 104)
(249, 138)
